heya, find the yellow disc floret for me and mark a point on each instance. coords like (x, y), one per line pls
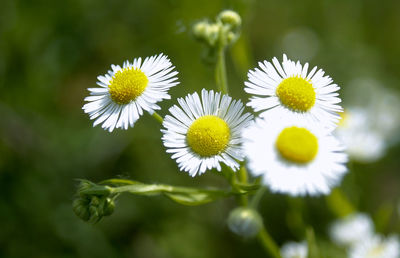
(296, 94)
(297, 144)
(126, 85)
(208, 135)
(344, 119)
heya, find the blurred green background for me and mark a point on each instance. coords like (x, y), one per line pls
(52, 51)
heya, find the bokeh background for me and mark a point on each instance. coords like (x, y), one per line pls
(52, 51)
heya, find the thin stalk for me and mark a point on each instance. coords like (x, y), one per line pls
(157, 117)
(220, 68)
(257, 197)
(242, 178)
(268, 243)
(339, 203)
(220, 71)
(263, 236)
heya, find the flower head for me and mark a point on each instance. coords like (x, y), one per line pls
(294, 250)
(363, 142)
(203, 133)
(376, 247)
(352, 229)
(294, 157)
(126, 91)
(289, 91)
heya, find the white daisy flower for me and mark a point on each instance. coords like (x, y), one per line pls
(376, 247)
(371, 121)
(352, 229)
(288, 90)
(363, 142)
(294, 157)
(126, 91)
(203, 133)
(294, 250)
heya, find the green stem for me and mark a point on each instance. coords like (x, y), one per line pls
(220, 71)
(155, 188)
(268, 243)
(339, 203)
(263, 236)
(257, 197)
(242, 177)
(157, 117)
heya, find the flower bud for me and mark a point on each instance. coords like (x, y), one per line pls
(245, 222)
(93, 208)
(84, 185)
(106, 206)
(231, 37)
(229, 17)
(80, 208)
(200, 30)
(212, 34)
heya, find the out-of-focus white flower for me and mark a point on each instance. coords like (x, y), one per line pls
(376, 247)
(362, 142)
(352, 229)
(294, 250)
(371, 121)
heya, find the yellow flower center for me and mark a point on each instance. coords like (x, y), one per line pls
(296, 93)
(344, 119)
(297, 144)
(377, 251)
(208, 135)
(126, 85)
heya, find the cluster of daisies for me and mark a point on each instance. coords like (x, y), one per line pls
(371, 121)
(356, 233)
(290, 143)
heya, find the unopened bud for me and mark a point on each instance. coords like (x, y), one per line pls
(107, 206)
(200, 30)
(213, 34)
(231, 37)
(245, 222)
(80, 208)
(231, 18)
(83, 186)
(93, 208)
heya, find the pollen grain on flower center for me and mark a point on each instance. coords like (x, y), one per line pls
(297, 144)
(127, 84)
(296, 94)
(208, 135)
